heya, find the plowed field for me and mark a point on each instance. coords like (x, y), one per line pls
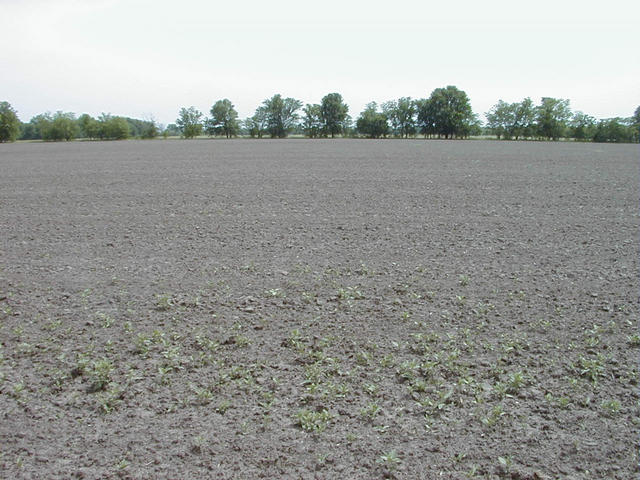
(319, 309)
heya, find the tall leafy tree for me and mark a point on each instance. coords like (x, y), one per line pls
(636, 120)
(281, 115)
(312, 121)
(552, 117)
(63, 127)
(426, 117)
(113, 128)
(224, 119)
(372, 123)
(582, 126)
(150, 129)
(28, 131)
(452, 111)
(333, 112)
(256, 125)
(88, 126)
(9, 123)
(402, 116)
(615, 130)
(189, 122)
(512, 120)
(499, 118)
(172, 130)
(524, 119)
(41, 125)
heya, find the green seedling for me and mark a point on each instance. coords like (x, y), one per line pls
(313, 421)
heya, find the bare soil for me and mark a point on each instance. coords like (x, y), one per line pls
(319, 309)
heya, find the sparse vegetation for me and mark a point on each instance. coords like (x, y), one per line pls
(237, 325)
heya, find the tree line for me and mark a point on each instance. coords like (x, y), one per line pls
(65, 126)
(446, 113)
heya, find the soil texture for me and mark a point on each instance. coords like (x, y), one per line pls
(319, 309)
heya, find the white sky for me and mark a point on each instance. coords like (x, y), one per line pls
(149, 58)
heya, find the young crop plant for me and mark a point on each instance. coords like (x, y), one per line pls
(350, 293)
(370, 411)
(409, 370)
(313, 421)
(100, 375)
(516, 381)
(106, 319)
(390, 460)
(110, 399)
(611, 407)
(204, 396)
(592, 368)
(164, 302)
(494, 416)
(634, 340)
(223, 406)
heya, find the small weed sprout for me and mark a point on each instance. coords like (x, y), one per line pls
(203, 395)
(494, 416)
(164, 302)
(363, 358)
(111, 399)
(222, 407)
(516, 381)
(370, 411)
(313, 421)
(275, 293)
(100, 375)
(106, 320)
(506, 463)
(611, 407)
(634, 340)
(591, 368)
(390, 460)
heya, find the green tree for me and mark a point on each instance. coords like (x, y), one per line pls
(150, 129)
(333, 112)
(615, 130)
(401, 114)
(312, 121)
(499, 118)
(256, 125)
(113, 128)
(372, 123)
(88, 126)
(224, 119)
(171, 130)
(281, 115)
(190, 122)
(636, 121)
(41, 125)
(451, 110)
(426, 117)
(582, 126)
(9, 123)
(552, 117)
(63, 127)
(524, 119)
(28, 131)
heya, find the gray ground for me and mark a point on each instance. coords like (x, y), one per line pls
(319, 309)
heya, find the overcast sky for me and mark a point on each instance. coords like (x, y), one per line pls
(148, 58)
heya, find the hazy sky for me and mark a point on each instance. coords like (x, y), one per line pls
(148, 58)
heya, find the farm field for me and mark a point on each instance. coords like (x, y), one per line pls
(319, 309)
